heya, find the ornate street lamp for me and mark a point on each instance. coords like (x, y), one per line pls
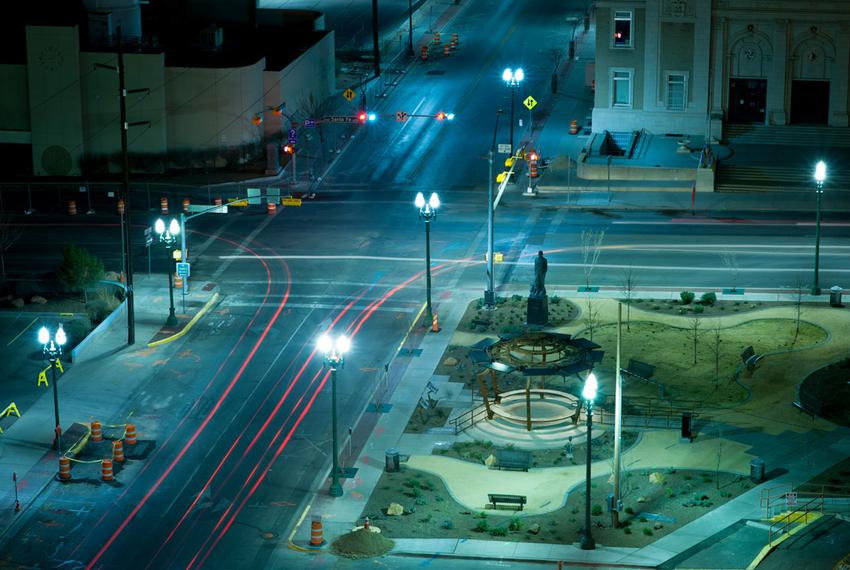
(820, 176)
(427, 212)
(167, 237)
(589, 394)
(52, 348)
(513, 78)
(334, 357)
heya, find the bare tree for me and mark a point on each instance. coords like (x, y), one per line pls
(9, 235)
(591, 247)
(719, 455)
(628, 285)
(591, 317)
(730, 261)
(715, 348)
(693, 333)
(799, 288)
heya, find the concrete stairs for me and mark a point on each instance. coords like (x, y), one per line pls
(812, 136)
(773, 178)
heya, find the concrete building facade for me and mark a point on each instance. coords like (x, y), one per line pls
(694, 66)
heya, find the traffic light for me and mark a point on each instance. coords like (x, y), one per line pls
(289, 148)
(441, 116)
(362, 116)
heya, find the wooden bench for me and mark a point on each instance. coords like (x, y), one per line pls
(496, 499)
(750, 358)
(510, 459)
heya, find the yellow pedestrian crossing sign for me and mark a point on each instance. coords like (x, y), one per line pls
(349, 95)
(42, 377)
(530, 102)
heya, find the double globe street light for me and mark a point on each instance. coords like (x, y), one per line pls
(52, 348)
(427, 212)
(334, 357)
(588, 393)
(820, 176)
(167, 237)
(513, 78)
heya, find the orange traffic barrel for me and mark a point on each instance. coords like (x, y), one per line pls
(118, 451)
(217, 201)
(423, 53)
(178, 282)
(130, 434)
(64, 468)
(532, 163)
(106, 470)
(437, 37)
(186, 205)
(573, 127)
(96, 431)
(121, 207)
(447, 49)
(455, 38)
(317, 533)
(163, 205)
(271, 207)
(72, 208)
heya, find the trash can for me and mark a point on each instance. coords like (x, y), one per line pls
(392, 460)
(757, 470)
(835, 296)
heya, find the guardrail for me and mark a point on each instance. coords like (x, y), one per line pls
(802, 514)
(468, 419)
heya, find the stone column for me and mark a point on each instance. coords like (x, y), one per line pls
(838, 88)
(778, 77)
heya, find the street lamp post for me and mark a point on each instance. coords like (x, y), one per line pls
(427, 212)
(52, 348)
(490, 290)
(334, 357)
(820, 176)
(589, 394)
(167, 237)
(513, 79)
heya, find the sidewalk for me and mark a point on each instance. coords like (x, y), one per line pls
(787, 462)
(96, 388)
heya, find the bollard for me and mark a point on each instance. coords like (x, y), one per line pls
(106, 470)
(64, 468)
(72, 208)
(317, 533)
(96, 432)
(118, 451)
(130, 434)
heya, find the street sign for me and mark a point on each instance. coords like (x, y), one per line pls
(290, 201)
(183, 269)
(340, 119)
(349, 95)
(148, 237)
(504, 148)
(530, 102)
(293, 134)
(310, 123)
(401, 116)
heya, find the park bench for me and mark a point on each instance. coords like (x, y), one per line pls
(750, 358)
(510, 459)
(496, 499)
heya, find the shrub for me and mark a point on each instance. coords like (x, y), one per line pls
(642, 519)
(687, 297)
(699, 308)
(554, 299)
(421, 501)
(515, 524)
(647, 531)
(630, 511)
(482, 515)
(516, 297)
(627, 530)
(498, 532)
(708, 298)
(482, 526)
(597, 510)
(447, 524)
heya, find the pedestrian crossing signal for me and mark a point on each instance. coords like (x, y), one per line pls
(362, 116)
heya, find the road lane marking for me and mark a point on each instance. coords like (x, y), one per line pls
(22, 332)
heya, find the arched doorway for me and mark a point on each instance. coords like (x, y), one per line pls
(748, 59)
(811, 67)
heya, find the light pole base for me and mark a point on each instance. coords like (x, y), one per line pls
(171, 321)
(587, 542)
(815, 290)
(335, 489)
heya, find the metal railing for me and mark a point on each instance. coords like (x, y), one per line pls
(468, 419)
(800, 515)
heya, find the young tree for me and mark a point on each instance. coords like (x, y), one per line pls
(591, 317)
(730, 261)
(799, 288)
(715, 348)
(591, 247)
(9, 235)
(628, 285)
(79, 269)
(693, 333)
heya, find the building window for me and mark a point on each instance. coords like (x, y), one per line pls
(622, 29)
(677, 91)
(621, 88)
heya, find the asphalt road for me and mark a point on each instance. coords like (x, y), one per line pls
(241, 417)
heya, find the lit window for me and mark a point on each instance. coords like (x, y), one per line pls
(677, 88)
(621, 88)
(623, 29)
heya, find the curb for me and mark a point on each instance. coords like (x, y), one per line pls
(188, 326)
(542, 561)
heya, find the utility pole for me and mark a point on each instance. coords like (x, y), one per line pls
(618, 423)
(376, 48)
(490, 291)
(125, 184)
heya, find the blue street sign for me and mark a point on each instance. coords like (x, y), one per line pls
(183, 269)
(292, 135)
(310, 123)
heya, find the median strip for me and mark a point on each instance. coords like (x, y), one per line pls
(189, 325)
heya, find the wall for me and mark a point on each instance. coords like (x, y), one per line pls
(14, 104)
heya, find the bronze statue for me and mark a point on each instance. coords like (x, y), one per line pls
(538, 286)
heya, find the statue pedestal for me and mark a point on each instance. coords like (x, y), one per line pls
(538, 311)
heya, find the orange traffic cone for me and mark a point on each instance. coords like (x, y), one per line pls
(435, 323)
(447, 49)
(121, 207)
(130, 434)
(106, 470)
(163, 205)
(573, 127)
(317, 533)
(186, 205)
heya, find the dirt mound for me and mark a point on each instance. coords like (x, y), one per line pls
(361, 544)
